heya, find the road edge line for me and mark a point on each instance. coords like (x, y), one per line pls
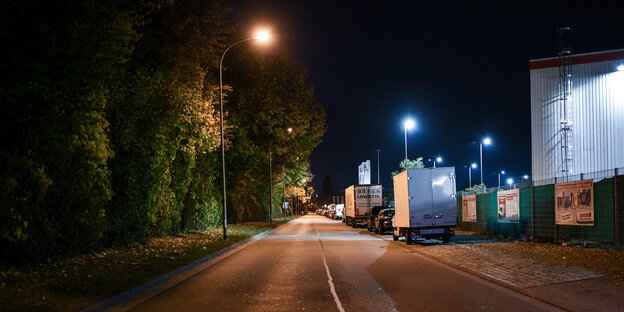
(143, 288)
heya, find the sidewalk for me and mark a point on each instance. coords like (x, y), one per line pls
(576, 279)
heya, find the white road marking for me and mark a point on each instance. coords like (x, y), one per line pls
(330, 281)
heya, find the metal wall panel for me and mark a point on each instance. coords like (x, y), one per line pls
(598, 101)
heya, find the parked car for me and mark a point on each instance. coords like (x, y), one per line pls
(332, 211)
(339, 210)
(383, 221)
(370, 218)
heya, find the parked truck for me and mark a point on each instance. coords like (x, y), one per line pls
(359, 199)
(425, 204)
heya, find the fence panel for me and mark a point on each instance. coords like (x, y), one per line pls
(619, 210)
(526, 212)
(603, 228)
(544, 212)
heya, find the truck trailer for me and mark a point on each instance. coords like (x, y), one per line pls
(425, 204)
(359, 199)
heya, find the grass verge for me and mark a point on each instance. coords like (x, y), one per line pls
(79, 282)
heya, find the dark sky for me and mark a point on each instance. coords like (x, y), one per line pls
(460, 70)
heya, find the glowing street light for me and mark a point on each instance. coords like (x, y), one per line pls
(473, 165)
(486, 141)
(525, 177)
(409, 124)
(499, 174)
(438, 159)
(261, 36)
(509, 181)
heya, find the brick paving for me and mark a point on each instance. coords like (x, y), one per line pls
(513, 271)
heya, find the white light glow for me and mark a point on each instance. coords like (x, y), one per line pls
(439, 159)
(409, 124)
(503, 172)
(473, 165)
(526, 176)
(487, 141)
(262, 36)
(509, 181)
(620, 68)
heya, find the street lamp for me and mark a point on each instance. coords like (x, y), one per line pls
(438, 159)
(509, 181)
(407, 125)
(473, 165)
(499, 174)
(261, 36)
(485, 141)
(526, 177)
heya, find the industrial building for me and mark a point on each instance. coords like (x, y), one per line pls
(577, 116)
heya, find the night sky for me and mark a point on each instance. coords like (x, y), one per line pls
(461, 71)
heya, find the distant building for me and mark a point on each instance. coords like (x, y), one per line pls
(578, 134)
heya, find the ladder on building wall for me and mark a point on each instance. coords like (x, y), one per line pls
(566, 108)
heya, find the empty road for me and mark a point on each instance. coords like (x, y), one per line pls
(317, 264)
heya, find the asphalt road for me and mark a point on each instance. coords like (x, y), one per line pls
(317, 264)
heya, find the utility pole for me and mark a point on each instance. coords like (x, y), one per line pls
(284, 183)
(378, 166)
(270, 186)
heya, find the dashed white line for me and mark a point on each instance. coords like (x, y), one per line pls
(330, 281)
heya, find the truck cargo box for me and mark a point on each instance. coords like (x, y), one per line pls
(359, 199)
(425, 202)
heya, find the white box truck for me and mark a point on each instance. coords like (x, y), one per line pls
(425, 204)
(359, 199)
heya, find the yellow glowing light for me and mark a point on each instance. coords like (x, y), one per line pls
(290, 130)
(262, 36)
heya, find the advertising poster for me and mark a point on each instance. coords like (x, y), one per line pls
(574, 204)
(469, 208)
(509, 206)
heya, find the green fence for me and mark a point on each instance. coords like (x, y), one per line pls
(537, 216)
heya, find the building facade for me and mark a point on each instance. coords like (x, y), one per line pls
(577, 134)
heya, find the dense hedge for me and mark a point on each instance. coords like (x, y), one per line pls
(110, 123)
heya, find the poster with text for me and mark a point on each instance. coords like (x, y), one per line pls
(509, 206)
(469, 208)
(574, 204)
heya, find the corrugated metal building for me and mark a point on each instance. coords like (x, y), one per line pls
(595, 111)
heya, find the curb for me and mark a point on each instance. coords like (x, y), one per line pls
(131, 293)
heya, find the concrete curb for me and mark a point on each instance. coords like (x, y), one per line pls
(129, 294)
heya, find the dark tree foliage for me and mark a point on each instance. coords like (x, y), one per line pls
(57, 58)
(110, 123)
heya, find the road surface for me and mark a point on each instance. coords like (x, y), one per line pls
(317, 264)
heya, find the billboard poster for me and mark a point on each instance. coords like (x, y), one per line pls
(574, 204)
(364, 173)
(509, 206)
(469, 208)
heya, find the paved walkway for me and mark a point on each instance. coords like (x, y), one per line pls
(513, 271)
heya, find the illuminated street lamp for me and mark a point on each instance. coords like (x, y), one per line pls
(525, 177)
(408, 125)
(509, 181)
(261, 36)
(499, 174)
(485, 141)
(438, 159)
(473, 165)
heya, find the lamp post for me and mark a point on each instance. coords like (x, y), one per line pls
(261, 36)
(499, 174)
(473, 165)
(437, 159)
(509, 181)
(408, 125)
(485, 141)
(378, 166)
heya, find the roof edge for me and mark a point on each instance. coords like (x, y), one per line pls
(579, 59)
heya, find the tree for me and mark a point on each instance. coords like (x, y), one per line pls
(408, 164)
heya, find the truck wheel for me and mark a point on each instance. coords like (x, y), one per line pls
(408, 239)
(446, 238)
